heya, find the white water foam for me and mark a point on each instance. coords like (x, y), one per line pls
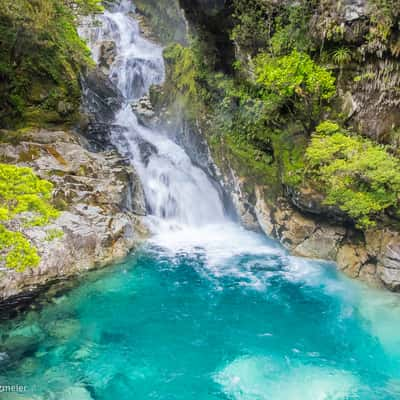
(261, 378)
(176, 191)
(186, 212)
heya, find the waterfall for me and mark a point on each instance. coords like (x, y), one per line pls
(177, 192)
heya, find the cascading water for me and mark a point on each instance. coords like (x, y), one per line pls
(177, 192)
(206, 311)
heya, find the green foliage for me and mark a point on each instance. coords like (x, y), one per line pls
(22, 191)
(297, 82)
(24, 196)
(384, 24)
(41, 58)
(261, 118)
(341, 56)
(15, 250)
(165, 18)
(252, 16)
(362, 178)
(327, 128)
(275, 27)
(182, 71)
(291, 29)
(53, 234)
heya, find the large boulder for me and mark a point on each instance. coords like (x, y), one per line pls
(102, 202)
(102, 98)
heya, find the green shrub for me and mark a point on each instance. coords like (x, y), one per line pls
(360, 177)
(252, 16)
(182, 72)
(15, 250)
(24, 196)
(277, 27)
(296, 82)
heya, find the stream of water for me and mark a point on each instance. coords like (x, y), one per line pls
(205, 310)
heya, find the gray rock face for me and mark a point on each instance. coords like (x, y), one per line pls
(144, 111)
(311, 202)
(102, 99)
(389, 260)
(372, 256)
(354, 9)
(108, 52)
(102, 200)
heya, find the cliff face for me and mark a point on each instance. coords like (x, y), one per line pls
(260, 159)
(368, 86)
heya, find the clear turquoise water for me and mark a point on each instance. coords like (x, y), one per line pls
(179, 326)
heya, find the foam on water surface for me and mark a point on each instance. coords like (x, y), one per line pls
(259, 378)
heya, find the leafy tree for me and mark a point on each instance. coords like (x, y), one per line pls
(296, 82)
(362, 178)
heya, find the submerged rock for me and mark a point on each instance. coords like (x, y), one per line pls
(76, 393)
(19, 396)
(64, 329)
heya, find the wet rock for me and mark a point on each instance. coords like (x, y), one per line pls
(323, 243)
(64, 108)
(4, 358)
(372, 256)
(82, 353)
(389, 261)
(302, 235)
(242, 203)
(146, 149)
(354, 9)
(311, 202)
(28, 366)
(351, 259)
(108, 52)
(264, 213)
(297, 230)
(20, 346)
(64, 329)
(349, 105)
(368, 274)
(102, 98)
(144, 110)
(32, 330)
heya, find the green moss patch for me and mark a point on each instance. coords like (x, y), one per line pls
(25, 197)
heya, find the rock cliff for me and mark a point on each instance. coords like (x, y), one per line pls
(358, 42)
(101, 201)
